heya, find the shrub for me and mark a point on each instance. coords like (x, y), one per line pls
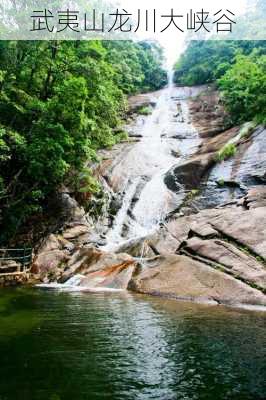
(145, 110)
(247, 129)
(229, 150)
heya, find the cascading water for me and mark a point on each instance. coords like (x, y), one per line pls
(167, 138)
(74, 284)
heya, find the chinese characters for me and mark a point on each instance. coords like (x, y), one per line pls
(125, 22)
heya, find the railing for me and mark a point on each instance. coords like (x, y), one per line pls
(15, 261)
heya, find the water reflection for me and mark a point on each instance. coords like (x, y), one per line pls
(124, 346)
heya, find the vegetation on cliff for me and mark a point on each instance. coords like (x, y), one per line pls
(244, 88)
(237, 66)
(59, 103)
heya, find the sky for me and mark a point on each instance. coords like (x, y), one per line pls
(172, 40)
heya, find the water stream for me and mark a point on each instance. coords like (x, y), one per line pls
(167, 138)
(66, 344)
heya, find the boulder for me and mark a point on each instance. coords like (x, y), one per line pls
(88, 260)
(256, 197)
(50, 243)
(182, 278)
(71, 210)
(181, 227)
(207, 112)
(139, 247)
(227, 256)
(76, 233)
(163, 242)
(189, 173)
(247, 228)
(48, 262)
(113, 277)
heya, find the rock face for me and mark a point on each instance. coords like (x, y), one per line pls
(256, 197)
(211, 248)
(208, 257)
(61, 261)
(230, 259)
(247, 228)
(113, 277)
(182, 278)
(95, 264)
(189, 173)
(49, 261)
(50, 258)
(228, 179)
(208, 113)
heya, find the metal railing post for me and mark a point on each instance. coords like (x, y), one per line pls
(23, 262)
(24, 257)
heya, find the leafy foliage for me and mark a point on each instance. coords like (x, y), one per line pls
(203, 62)
(145, 110)
(227, 151)
(244, 88)
(206, 61)
(59, 103)
(239, 69)
(238, 66)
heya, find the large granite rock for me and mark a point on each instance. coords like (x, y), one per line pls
(245, 227)
(249, 164)
(256, 197)
(99, 268)
(49, 265)
(51, 257)
(191, 172)
(182, 278)
(230, 259)
(113, 277)
(208, 113)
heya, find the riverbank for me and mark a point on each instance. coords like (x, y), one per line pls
(178, 210)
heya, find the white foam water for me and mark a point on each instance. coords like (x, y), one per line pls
(73, 285)
(147, 163)
(144, 166)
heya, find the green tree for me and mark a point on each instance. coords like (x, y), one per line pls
(244, 88)
(59, 103)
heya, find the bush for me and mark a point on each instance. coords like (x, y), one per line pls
(244, 88)
(247, 129)
(229, 150)
(145, 110)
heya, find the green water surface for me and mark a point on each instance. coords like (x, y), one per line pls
(62, 346)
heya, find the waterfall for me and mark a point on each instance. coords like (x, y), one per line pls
(167, 138)
(149, 160)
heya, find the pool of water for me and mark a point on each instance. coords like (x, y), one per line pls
(56, 346)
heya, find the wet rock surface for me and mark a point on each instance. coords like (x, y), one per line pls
(209, 115)
(183, 278)
(89, 259)
(228, 257)
(206, 220)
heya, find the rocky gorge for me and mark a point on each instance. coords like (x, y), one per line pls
(184, 212)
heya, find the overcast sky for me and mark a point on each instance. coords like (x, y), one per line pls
(172, 40)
